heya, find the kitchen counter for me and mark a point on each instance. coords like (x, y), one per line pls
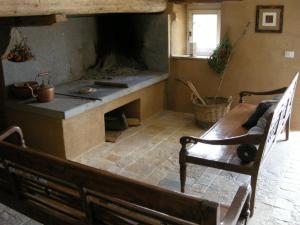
(65, 107)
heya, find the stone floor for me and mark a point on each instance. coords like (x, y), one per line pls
(150, 153)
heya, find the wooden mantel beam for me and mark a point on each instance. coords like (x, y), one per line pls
(201, 1)
(11, 8)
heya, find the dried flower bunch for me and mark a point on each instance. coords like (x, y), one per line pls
(220, 57)
(21, 52)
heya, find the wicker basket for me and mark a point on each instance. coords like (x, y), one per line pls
(216, 108)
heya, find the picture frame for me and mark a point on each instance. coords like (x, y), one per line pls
(269, 18)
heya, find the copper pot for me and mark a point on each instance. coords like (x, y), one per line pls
(20, 90)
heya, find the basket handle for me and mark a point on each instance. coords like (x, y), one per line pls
(195, 92)
(195, 99)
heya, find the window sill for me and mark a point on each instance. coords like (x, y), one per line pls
(189, 57)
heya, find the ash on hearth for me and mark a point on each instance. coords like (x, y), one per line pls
(115, 64)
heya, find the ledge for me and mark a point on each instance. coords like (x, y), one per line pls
(189, 57)
(63, 107)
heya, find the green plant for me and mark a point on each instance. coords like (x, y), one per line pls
(221, 55)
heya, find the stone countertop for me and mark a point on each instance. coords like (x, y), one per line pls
(64, 107)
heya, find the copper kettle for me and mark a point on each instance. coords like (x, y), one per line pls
(44, 92)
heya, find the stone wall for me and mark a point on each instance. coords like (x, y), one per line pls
(155, 50)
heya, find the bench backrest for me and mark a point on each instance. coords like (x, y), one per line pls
(278, 119)
(57, 191)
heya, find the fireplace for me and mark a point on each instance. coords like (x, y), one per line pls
(115, 48)
(129, 43)
(93, 47)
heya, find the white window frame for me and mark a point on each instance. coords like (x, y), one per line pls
(203, 9)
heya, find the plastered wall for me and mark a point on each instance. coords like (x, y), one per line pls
(178, 31)
(258, 62)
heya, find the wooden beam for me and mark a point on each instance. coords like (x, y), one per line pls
(78, 7)
(202, 1)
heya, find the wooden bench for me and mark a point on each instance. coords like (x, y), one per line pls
(55, 191)
(217, 147)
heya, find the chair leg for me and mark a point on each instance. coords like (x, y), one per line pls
(182, 163)
(287, 129)
(182, 176)
(253, 187)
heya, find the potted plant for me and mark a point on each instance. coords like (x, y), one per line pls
(209, 110)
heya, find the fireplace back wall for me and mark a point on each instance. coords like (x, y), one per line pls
(134, 40)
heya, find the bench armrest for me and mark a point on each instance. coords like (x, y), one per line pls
(13, 130)
(249, 93)
(239, 207)
(243, 139)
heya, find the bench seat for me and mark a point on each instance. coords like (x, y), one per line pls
(227, 127)
(217, 147)
(57, 191)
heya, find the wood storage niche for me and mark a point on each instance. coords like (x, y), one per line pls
(119, 119)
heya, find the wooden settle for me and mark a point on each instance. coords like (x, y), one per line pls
(56, 191)
(217, 147)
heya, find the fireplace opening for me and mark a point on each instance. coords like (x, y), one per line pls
(129, 44)
(120, 45)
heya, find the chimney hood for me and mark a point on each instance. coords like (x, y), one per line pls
(22, 8)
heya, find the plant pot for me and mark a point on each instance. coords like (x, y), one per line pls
(22, 91)
(208, 115)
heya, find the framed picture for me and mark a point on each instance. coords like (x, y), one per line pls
(269, 19)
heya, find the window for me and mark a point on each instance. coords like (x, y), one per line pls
(203, 30)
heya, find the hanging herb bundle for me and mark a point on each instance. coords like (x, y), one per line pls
(19, 50)
(220, 57)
